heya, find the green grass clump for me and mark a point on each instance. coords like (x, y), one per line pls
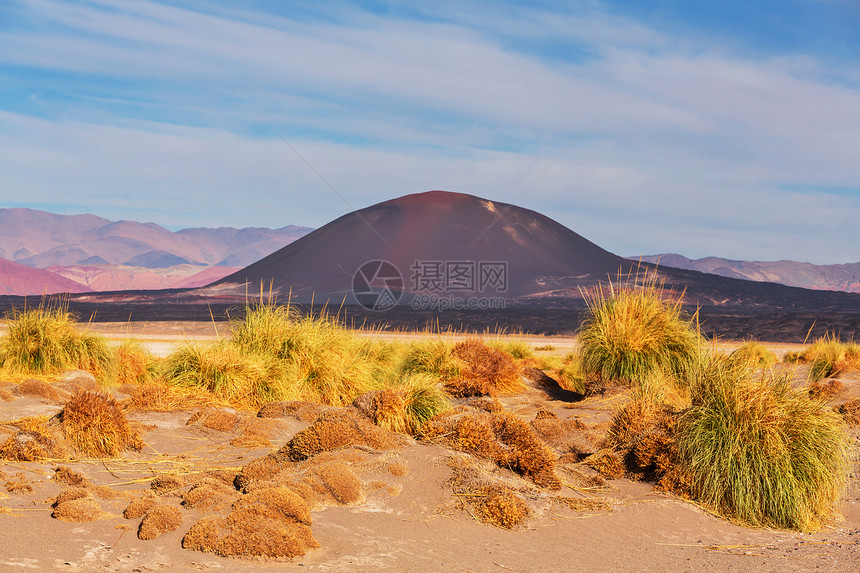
(760, 452)
(830, 357)
(570, 376)
(755, 354)
(634, 329)
(518, 349)
(276, 354)
(408, 403)
(47, 340)
(241, 378)
(434, 356)
(133, 364)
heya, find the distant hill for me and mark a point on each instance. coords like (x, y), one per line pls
(21, 280)
(845, 277)
(437, 229)
(40, 239)
(124, 255)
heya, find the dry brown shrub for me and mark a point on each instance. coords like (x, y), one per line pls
(161, 519)
(71, 493)
(37, 389)
(209, 494)
(272, 522)
(645, 434)
(337, 429)
(342, 483)
(30, 445)
(166, 485)
(67, 476)
(296, 409)
(501, 507)
(607, 462)
(826, 389)
(398, 469)
(20, 484)
(564, 436)
(260, 470)
(485, 371)
(6, 396)
(79, 510)
(96, 426)
(502, 437)
(140, 506)
(850, 411)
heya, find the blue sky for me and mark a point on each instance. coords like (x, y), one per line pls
(699, 127)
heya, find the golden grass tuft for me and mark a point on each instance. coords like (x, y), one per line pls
(297, 409)
(231, 375)
(69, 494)
(67, 476)
(759, 451)
(32, 445)
(606, 462)
(209, 494)
(47, 340)
(634, 328)
(96, 426)
(159, 396)
(829, 357)
(218, 420)
(160, 519)
(826, 389)
(755, 354)
(406, 404)
(133, 364)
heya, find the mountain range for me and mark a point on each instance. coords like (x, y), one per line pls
(81, 253)
(844, 277)
(117, 255)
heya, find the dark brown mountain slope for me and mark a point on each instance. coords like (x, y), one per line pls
(434, 228)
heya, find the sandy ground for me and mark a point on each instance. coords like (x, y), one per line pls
(407, 522)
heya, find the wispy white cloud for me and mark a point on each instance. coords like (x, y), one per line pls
(153, 108)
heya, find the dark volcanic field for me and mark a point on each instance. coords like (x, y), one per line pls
(552, 318)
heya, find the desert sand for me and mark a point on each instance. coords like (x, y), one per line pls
(408, 517)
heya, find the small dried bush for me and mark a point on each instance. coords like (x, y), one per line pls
(484, 371)
(160, 519)
(96, 426)
(338, 429)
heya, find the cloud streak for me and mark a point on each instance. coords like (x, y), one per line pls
(142, 109)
